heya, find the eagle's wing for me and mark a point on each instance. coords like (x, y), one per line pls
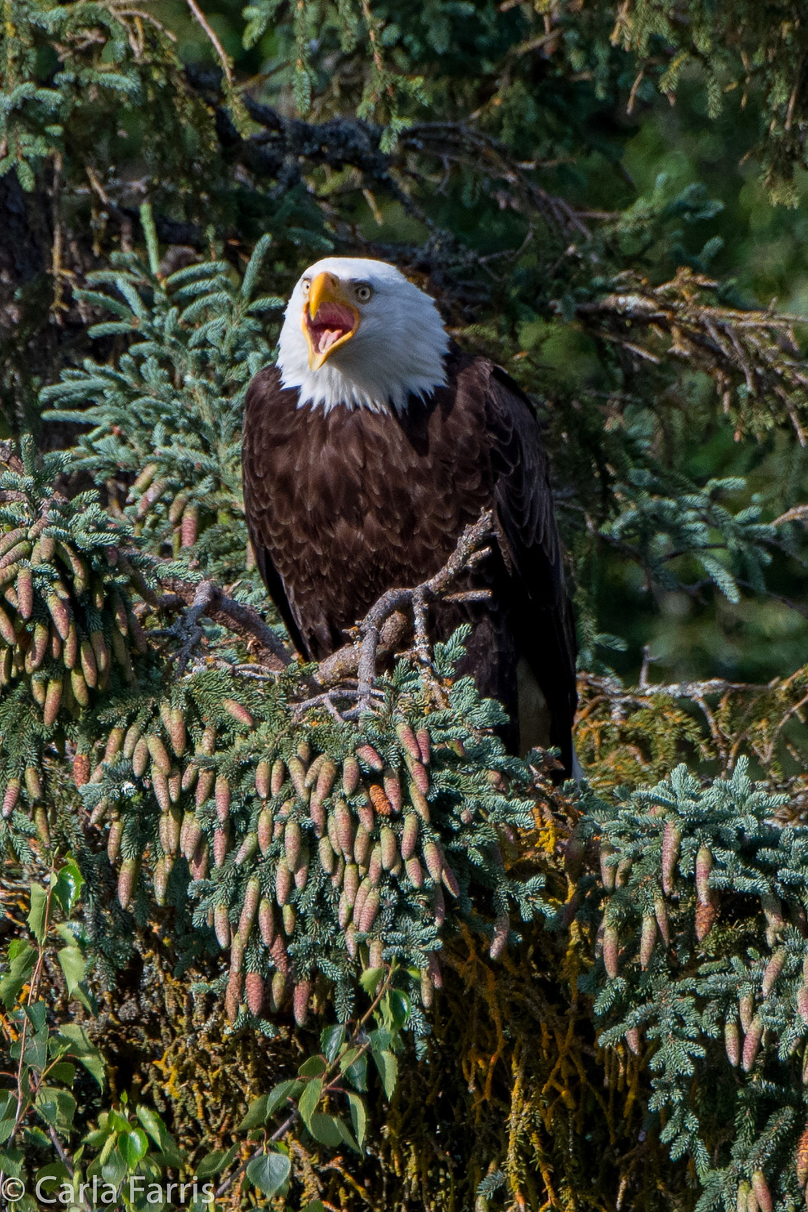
(258, 505)
(542, 612)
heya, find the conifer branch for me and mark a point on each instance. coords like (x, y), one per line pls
(755, 349)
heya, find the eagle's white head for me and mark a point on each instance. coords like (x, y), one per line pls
(356, 333)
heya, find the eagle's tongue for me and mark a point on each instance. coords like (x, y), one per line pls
(327, 337)
(329, 324)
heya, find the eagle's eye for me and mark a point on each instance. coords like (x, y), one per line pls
(364, 292)
(306, 287)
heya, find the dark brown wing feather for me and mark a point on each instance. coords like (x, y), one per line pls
(542, 618)
(345, 505)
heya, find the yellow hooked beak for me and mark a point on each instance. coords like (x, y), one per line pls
(330, 318)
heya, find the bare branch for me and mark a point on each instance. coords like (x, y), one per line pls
(468, 549)
(221, 53)
(209, 599)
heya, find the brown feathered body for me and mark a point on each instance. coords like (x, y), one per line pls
(344, 504)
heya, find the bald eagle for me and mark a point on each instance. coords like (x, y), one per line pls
(368, 449)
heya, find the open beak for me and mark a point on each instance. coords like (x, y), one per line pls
(330, 319)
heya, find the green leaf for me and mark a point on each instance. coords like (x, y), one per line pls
(73, 965)
(257, 1114)
(36, 1014)
(50, 1178)
(369, 980)
(114, 1168)
(312, 1067)
(8, 1114)
(268, 1172)
(118, 1122)
(280, 1094)
(326, 1129)
(399, 1008)
(57, 1107)
(314, 1206)
(21, 960)
(347, 1135)
(331, 1040)
(359, 1117)
(97, 1138)
(133, 1146)
(68, 886)
(349, 1058)
(357, 1073)
(11, 1160)
(215, 1163)
(387, 1065)
(63, 1071)
(152, 1123)
(36, 1052)
(38, 913)
(309, 1100)
(72, 1039)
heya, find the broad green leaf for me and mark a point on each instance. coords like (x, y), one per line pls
(71, 1039)
(399, 1008)
(387, 1065)
(36, 1051)
(169, 1151)
(50, 1177)
(97, 1137)
(63, 1071)
(215, 1163)
(326, 1129)
(152, 1122)
(21, 960)
(82, 994)
(57, 1107)
(380, 1039)
(38, 913)
(256, 1115)
(279, 1095)
(118, 1122)
(11, 1161)
(347, 1135)
(36, 1014)
(359, 1117)
(314, 1206)
(268, 1172)
(133, 1146)
(309, 1100)
(74, 965)
(312, 1067)
(349, 1058)
(114, 1168)
(357, 1073)
(331, 1040)
(8, 1113)
(370, 978)
(68, 886)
